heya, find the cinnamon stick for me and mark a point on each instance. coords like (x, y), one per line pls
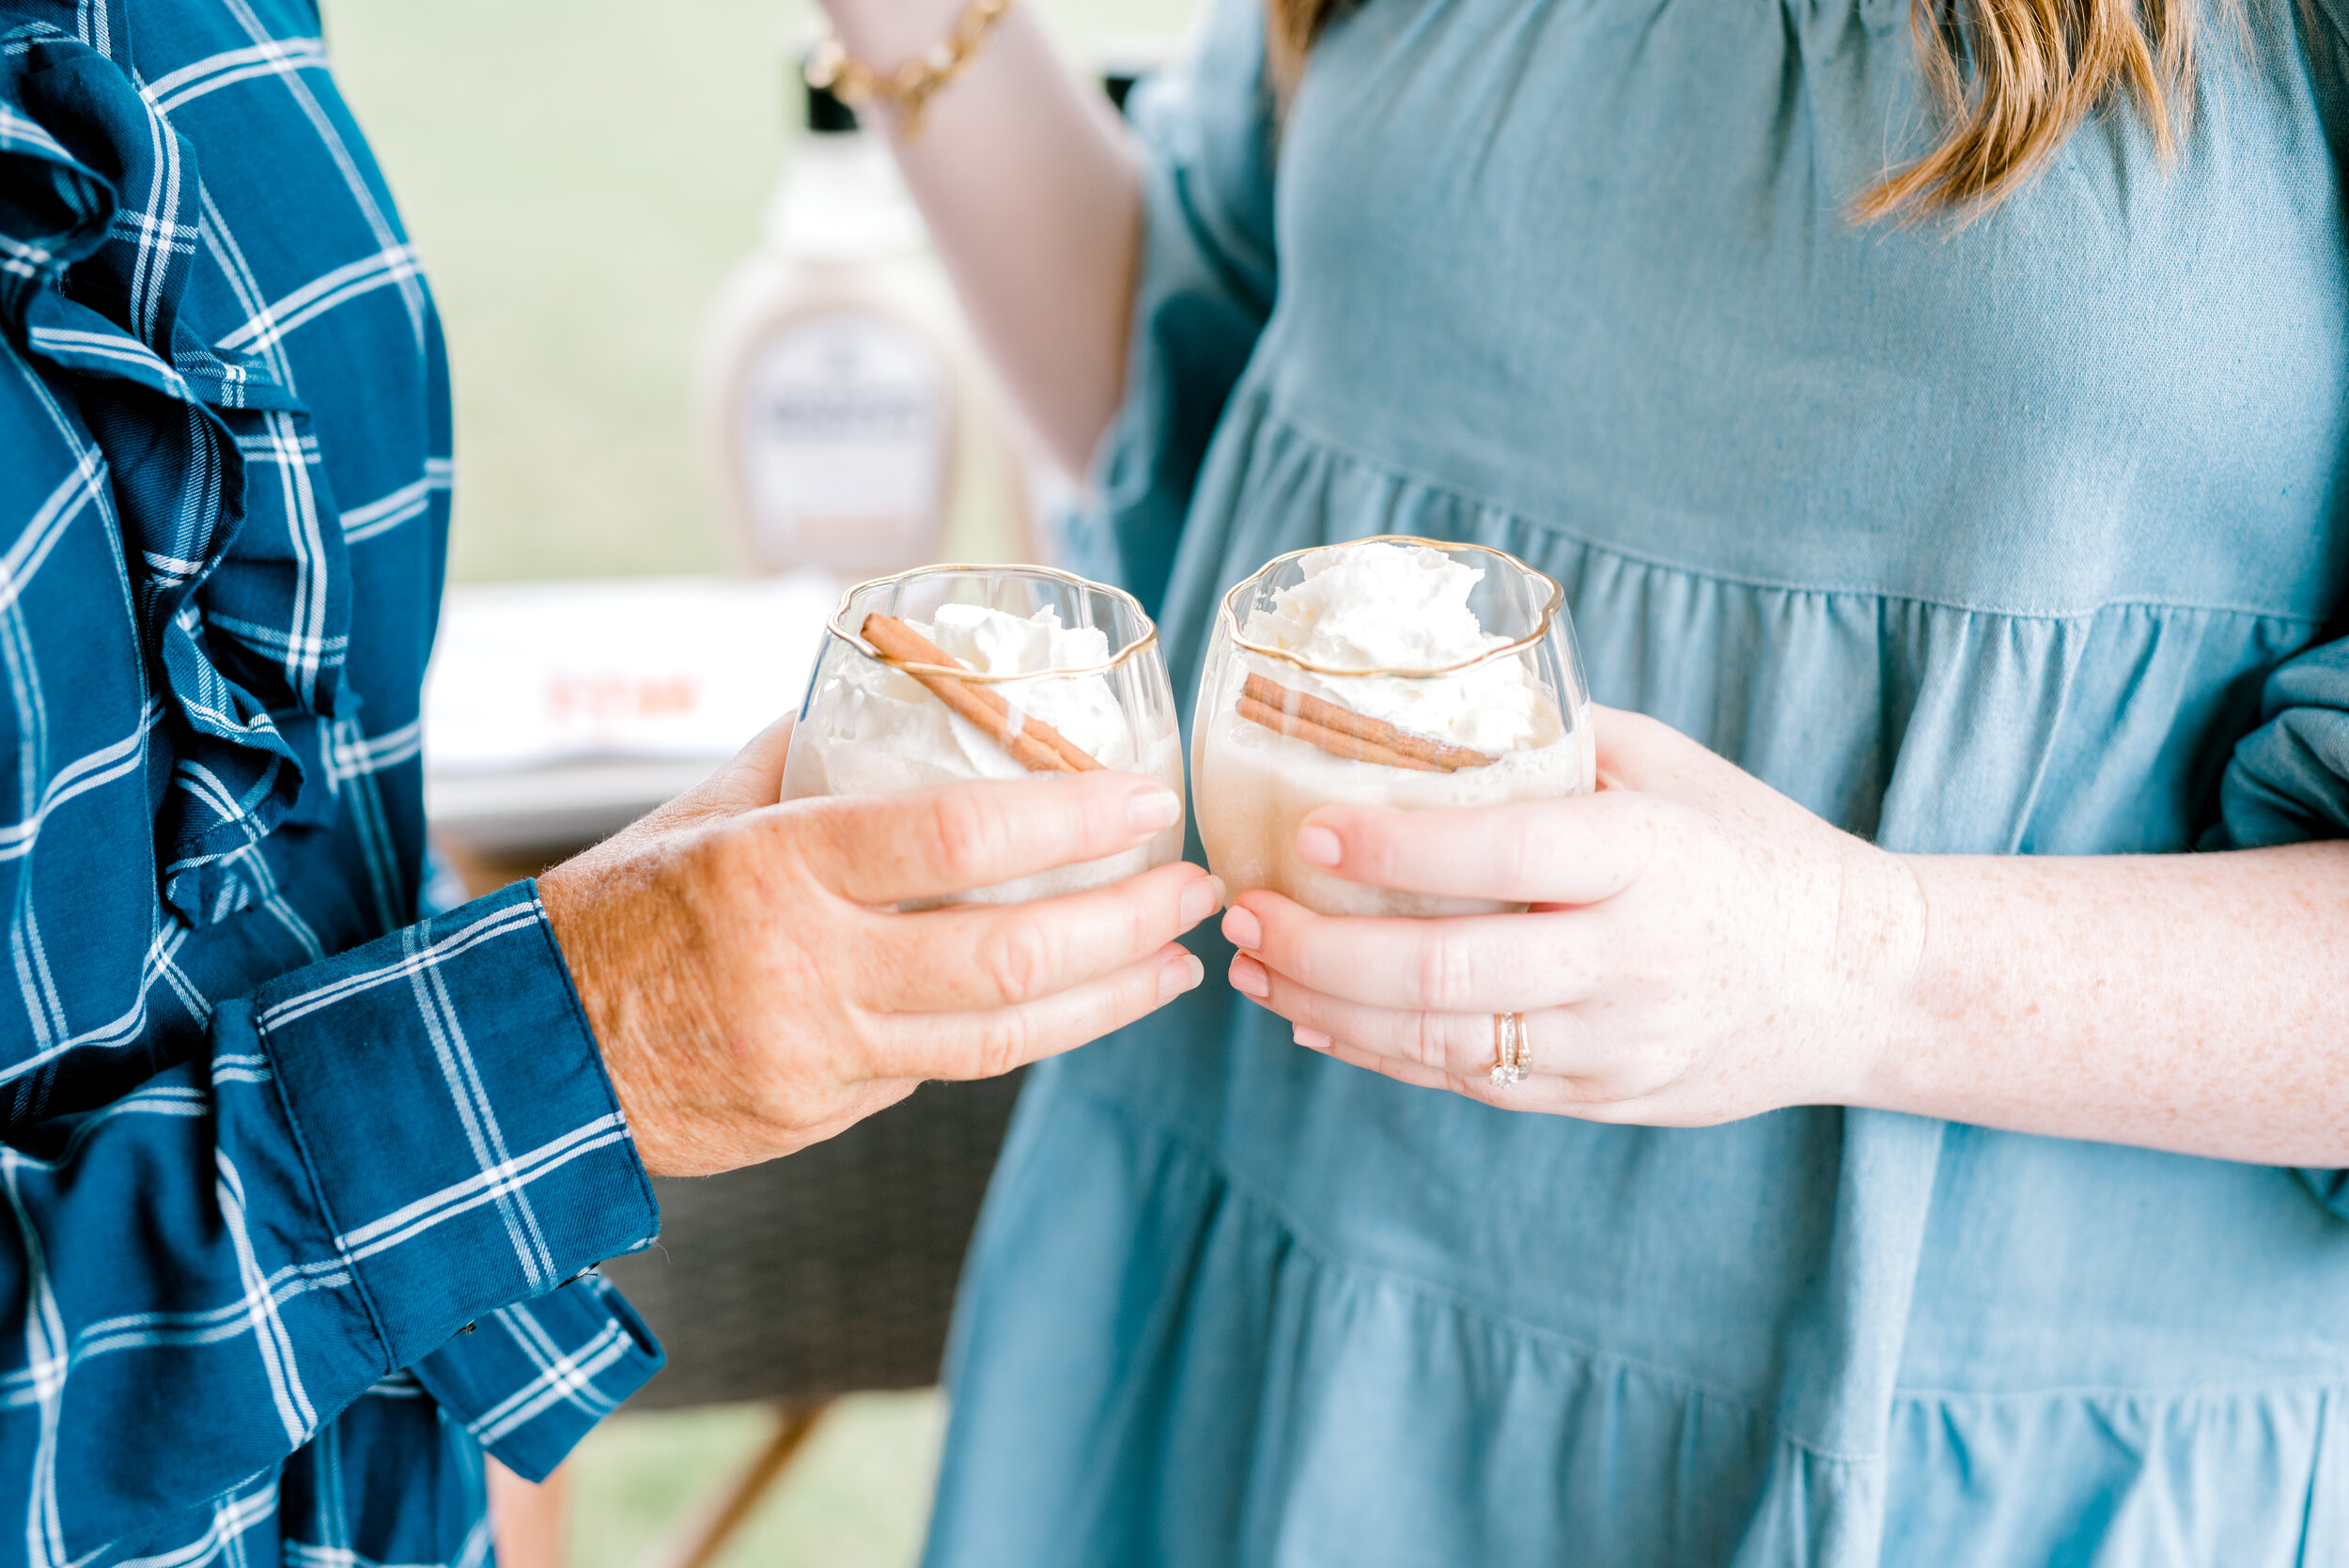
(1335, 742)
(1424, 753)
(1033, 744)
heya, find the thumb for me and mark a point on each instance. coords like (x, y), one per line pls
(750, 779)
(1636, 751)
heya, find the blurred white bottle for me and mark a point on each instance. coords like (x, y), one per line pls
(855, 426)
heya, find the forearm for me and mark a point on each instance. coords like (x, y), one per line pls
(1029, 185)
(2189, 1002)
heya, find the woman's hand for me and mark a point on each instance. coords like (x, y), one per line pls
(754, 988)
(1700, 948)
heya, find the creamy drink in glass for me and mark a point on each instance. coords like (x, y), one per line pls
(1395, 672)
(945, 674)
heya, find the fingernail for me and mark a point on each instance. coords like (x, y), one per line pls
(1179, 975)
(1154, 810)
(1242, 929)
(1312, 1039)
(1248, 976)
(1318, 847)
(1200, 900)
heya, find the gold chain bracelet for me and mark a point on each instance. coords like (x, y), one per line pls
(911, 85)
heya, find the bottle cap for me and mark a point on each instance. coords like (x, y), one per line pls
(826, 114)
(1121, 62)
(1119, 85)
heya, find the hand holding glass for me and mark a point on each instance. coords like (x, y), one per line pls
(1280, 731)
(948, 674)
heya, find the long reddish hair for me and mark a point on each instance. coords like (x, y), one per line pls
(2014, 79)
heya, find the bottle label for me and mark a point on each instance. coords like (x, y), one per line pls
(845, 433)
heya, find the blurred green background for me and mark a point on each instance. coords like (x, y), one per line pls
(856, 1497)
(579, 177)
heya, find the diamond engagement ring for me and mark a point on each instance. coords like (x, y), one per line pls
(1509, 1050)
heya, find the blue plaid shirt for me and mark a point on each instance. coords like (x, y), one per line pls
(301, 1193)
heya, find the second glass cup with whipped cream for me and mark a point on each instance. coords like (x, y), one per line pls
(946, 674)
(1394, 671)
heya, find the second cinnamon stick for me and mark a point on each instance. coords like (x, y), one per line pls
(1336, 742)
(1314, 710)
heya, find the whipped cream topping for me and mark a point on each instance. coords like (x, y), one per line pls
(1376, 606)
(888, 722)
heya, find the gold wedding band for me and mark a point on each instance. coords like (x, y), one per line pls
(1510, 1054)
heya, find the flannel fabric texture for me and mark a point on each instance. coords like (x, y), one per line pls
(303, 1194)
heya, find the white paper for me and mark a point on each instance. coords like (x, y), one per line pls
(528, 676)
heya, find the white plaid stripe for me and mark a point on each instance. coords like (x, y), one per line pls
(149, 1330)
(155, 235)
(273, 446)
(162, 962)
(43, 1009)
(259, 877)
(67, 341)
(19, 135)
(207, 786)
(492, 1185)
(125, 1029)
(458, 942)
(387, 236)
(563, 1376)
(478, 1114)
(404, 505)
(273, 642)
(353, 764)
(22, 261)
(79, 488)
(45, 1365)
(162, 196)
(477, 1548)
(245, 286)
(299, 506)
(232, 1518)
(93, 770)
(268, 1325)
(78, 777)
(358, 756)
(393, 267)
(273, 57)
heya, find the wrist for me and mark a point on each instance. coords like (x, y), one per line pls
(885, 33)
(578, 899)
(567, 895)
(1883, 929)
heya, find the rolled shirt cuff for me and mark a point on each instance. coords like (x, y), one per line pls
(528, 1381)
(454, 1115)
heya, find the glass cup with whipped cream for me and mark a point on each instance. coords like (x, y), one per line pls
(1396, 672)
(947, 674)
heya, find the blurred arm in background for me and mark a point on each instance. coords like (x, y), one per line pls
(1031, 189)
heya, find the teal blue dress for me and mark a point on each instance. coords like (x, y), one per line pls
(2026, 537)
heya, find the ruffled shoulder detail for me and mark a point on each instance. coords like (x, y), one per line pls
(245, 619)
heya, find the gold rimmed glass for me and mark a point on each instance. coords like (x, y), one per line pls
(1277, 734)
(1031, 647)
